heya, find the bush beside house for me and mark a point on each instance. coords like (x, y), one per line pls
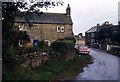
(62, 50)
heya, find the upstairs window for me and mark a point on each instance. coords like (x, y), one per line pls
(60, 28)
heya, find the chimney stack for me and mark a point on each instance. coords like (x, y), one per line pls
(68, 10)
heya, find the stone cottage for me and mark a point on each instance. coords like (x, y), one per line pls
(47, 26)
(80, 39)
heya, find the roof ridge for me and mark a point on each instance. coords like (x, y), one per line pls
(43, 13)
(46, 17)
(91, 28)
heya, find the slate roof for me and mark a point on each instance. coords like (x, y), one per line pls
(46, 18)
(93, 29)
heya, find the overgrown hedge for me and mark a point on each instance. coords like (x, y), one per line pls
(61, 48)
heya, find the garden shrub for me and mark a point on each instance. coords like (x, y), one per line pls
(60, 48)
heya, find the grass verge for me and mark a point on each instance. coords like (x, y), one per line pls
(64, 70)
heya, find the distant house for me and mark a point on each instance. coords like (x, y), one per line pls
(108, 33)
(90, 36)
(79, 39)
(47, 26)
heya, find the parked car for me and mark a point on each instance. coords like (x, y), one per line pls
(83, 50)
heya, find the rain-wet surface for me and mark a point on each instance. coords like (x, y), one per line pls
(104, 67)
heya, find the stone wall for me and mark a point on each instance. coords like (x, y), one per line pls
(33, 60)
(36, 59)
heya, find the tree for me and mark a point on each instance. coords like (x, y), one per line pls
(115, 36)
(108, 34)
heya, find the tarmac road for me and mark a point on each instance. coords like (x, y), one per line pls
(105, 67)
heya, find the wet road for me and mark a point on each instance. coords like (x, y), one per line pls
(105, 67)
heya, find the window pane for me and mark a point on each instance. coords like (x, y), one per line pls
(62, 29)
(58, 29)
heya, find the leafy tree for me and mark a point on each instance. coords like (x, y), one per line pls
(107, 35)
(100, 36)
(115, 37)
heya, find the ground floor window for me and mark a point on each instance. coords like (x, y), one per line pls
(47, 42)
(20, 43)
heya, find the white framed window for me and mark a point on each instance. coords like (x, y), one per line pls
(20, 43)
(23, 27)
(58, 29)
(20, 27)
(62, 29)
(47, 42)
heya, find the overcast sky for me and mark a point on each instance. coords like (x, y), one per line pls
(87, 13)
